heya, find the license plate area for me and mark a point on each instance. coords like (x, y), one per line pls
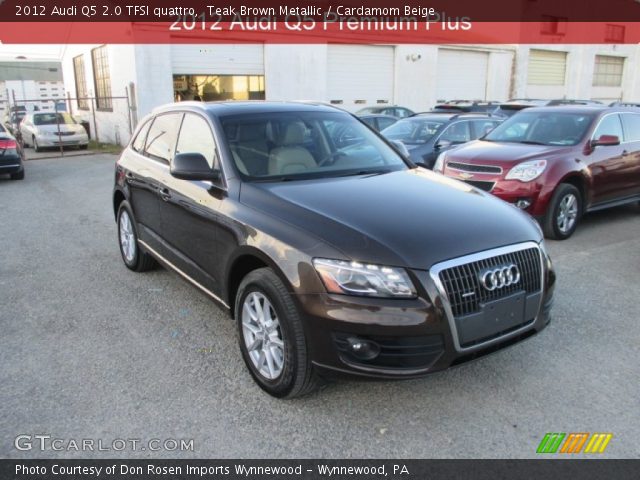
(497, 318)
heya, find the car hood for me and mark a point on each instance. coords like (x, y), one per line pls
(411, 218)
(483, 151)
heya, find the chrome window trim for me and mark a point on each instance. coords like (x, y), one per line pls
(184, 275)
(434, 273)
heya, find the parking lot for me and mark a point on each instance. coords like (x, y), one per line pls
(90, 350)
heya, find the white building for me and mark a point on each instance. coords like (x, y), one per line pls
(350, 76)
(37, 85)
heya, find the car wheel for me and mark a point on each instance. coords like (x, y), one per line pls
(35, 144)
(271, 336)
(84, 147)
(18, 176)
(564, 212)
(133, 257)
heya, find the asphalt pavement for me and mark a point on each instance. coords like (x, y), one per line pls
(92, 351)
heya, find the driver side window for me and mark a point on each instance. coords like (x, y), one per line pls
(196, 137)
(610, 125)
(457, 133)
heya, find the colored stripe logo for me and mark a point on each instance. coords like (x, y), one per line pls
(574, 443)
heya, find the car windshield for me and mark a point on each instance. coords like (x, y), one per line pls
(414, 130)
(53, 119)
(299, 145)
(542, 128)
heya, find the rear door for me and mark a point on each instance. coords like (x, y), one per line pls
(631, 124)
(190, 209)
(147, 165)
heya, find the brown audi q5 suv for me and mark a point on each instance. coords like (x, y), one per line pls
(333, 253)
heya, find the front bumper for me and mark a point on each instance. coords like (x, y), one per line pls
(412, 337)
(64, 140)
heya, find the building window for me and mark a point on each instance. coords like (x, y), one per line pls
(218, 87)
(101, 77)
(608, 71)
(553, 25)
(614, 33)
(81, 82)
(547, 67)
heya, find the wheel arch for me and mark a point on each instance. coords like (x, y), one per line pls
(246, 260)
(118, 198)
(578, 181)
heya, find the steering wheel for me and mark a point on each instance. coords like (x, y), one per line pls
(331, 158)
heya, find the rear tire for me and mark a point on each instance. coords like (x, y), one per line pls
(18, 176)
(564, 212)
(36, 147)
(268, 319)
(132, 255)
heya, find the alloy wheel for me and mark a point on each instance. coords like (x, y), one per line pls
(262, 335)
(127, 237)
(567, 213)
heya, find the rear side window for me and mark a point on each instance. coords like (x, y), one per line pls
(162, 137)
(610, 125)
(196, 137)
(482, 127)
(631, 123)
(138, 143)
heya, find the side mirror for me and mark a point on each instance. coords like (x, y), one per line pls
(605, 141)
(442, 144)
(192, 166)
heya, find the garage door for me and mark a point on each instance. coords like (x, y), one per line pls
(547, 67)
(462, 75)
(217, 59)
(359, 75)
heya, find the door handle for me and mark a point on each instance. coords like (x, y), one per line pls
(625, 153)
(164, 193)
(129, 177)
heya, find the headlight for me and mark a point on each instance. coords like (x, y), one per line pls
(353, 278)
(439, 165)
(527, 171)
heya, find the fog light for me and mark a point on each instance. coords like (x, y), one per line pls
(523, 204)
(363, 349)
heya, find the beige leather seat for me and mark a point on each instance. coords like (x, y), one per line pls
(290, 156)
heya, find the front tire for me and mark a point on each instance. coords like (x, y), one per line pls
(563, 215)
(271, 336)
(36, 147)
(133, 257)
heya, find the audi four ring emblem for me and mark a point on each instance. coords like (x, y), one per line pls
(499, 277)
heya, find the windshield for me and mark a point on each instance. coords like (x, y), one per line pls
(542, 128)
(297, 145)
(413, 131)
(53, 119)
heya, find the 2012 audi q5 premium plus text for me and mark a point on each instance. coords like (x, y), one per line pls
(334, 254)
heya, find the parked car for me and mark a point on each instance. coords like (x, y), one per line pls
(429, 134)
(513, 106)
(625, 104)
(378, 122)
(391, 110)
(52, 129)
(12, 121)
(469, 106)
(333, 260)
(555, 163)
(11, 156)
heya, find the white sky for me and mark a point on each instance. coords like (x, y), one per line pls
(32, 52)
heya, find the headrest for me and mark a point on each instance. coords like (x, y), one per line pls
(293, 134)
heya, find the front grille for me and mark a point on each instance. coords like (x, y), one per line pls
(462, 283)
(64, 134)
(466, 167)
(395, 352)
(486, 186)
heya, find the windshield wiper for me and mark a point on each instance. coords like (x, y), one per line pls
(531, 142)
(380, 171)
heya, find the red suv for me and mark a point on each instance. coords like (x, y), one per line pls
(556, 163)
